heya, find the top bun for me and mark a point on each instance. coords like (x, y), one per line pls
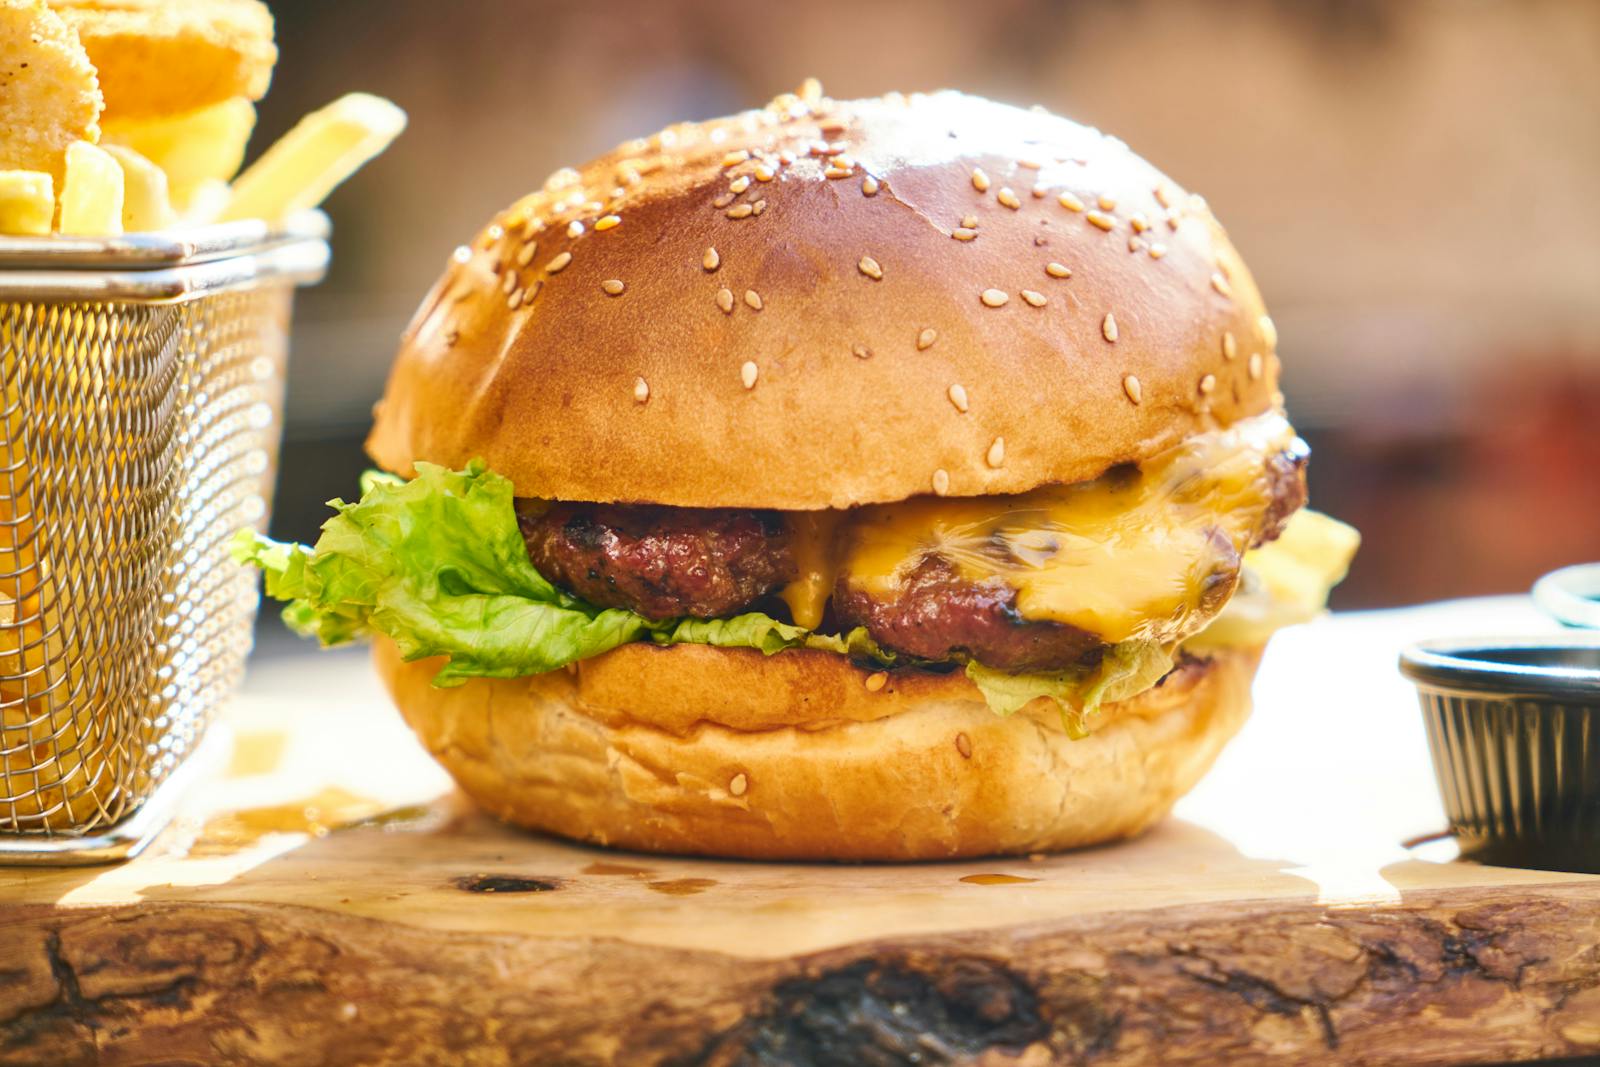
(801, 307)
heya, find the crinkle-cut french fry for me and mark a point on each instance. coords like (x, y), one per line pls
(91, 195)
(193, 148)
(145, 203)
(27, 202)
(308, 162)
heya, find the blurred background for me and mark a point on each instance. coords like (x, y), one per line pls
(1415, 183)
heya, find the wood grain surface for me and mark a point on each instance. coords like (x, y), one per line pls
(325, 899)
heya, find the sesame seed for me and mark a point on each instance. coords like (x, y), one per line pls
(1269, 331)
(741, 211)
(514, 301)
(711, 260)
(1157, 250)
(641, 390)
(964, 746)
(739, 784)
(606, 222)
(870, 268)
(739, 185)
(1008, 198)
(996, 456)
(1105, 222)
(994, 297)
(869, 186)
(926, 338)
(1106, 203)
(574, 228)
(1038, 192)
(1057, 270)
(532, 291)
(1108, 327)
(958, 396)
(786, 157)
(725, 301)
(963, 233)
(1208, 384)
(837, 172)
(509, 282)
(1220, 284)
(748, 373)
(1137, 244)
(980, 180)
(1070, 202)
(1030, 164)
(722, 201)
(1173, 217)
(941, 482)
(1131, 386)
(526, 253)
(842, 161)
(734, 158)
(1036, 299)
(764, 173)
(1255, 366)
(1164, 195)
(876, 681)
(451, 337)
(559, 263)
(758, 207)
(969, 221)
(1139, 223)
(613, 286)
(1230, 347)
(861, 351)
(752, 298)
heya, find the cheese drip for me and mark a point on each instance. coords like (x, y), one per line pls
(1140, 553)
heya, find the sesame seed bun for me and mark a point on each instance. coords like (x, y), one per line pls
(727, 752)
(823, 304)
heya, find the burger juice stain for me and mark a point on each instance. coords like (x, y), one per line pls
(682, 887)
(996, 879)
(618, 869)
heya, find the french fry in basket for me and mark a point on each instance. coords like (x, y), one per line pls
(91, 194)
(27, 202)
(145, 203)
(193, 148)
(308, 162)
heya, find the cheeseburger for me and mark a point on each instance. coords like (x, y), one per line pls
(882, 479)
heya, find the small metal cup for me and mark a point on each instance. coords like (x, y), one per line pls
(1571, 595)
(1514, 729)
(141, 385)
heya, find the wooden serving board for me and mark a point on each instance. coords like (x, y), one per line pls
(325, 898)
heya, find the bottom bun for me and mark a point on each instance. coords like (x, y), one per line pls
(727, 752)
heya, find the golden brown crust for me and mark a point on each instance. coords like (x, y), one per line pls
(49, 96)
(550, 393)
(156, 57)
(727, 752)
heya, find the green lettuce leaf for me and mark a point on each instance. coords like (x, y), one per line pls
(1126, 670)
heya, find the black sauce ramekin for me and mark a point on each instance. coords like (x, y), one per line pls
(1514, 728)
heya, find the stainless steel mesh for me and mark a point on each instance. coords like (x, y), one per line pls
(138, 432)
(134, 441)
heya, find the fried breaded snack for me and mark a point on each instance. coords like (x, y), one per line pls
(49, 96)
(163, 57)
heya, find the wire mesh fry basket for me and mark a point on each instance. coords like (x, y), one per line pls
(141, 381)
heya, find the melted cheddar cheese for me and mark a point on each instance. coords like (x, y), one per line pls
(1141, 552)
